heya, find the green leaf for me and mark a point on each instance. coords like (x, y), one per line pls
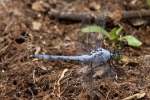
(119, 30)
(94, 28)
(114, 33)
(132, 41)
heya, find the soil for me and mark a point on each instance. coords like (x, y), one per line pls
(26, 29)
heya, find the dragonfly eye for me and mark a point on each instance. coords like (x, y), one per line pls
(116, 55)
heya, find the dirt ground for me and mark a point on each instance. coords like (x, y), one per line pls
(26, 29)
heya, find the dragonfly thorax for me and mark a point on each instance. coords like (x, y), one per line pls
(100, 56)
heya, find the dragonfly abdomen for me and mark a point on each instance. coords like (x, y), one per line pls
(82, 58)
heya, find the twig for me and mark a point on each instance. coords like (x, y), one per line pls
(58, 82)
(33, 75)
(31, 93)
(84, 16)
(135, 96)
(57, 88)
(76, 17)
(136, 14)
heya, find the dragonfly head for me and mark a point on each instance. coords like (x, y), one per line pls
(116, 55)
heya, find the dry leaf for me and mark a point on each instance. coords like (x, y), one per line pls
(40, 6)
(94, 6)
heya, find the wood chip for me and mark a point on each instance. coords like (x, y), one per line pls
(36, 25)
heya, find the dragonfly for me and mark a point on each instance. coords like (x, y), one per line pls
(95, 58)
(99, 56)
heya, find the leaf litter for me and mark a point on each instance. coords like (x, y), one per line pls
(23, 78)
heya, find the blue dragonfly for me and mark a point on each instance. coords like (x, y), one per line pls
(95, 59)
(99, 56)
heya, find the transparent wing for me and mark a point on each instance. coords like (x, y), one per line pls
(90, 42)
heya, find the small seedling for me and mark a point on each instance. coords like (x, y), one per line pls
(114, 35)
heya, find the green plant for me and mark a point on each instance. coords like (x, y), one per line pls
(114, 35)
(148, 2)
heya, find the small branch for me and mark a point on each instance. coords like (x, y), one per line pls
(84, 16)
(136, 14)
(57, 88)
(135, 96)
(76, 17)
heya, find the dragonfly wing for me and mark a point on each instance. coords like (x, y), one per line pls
(104, 71)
